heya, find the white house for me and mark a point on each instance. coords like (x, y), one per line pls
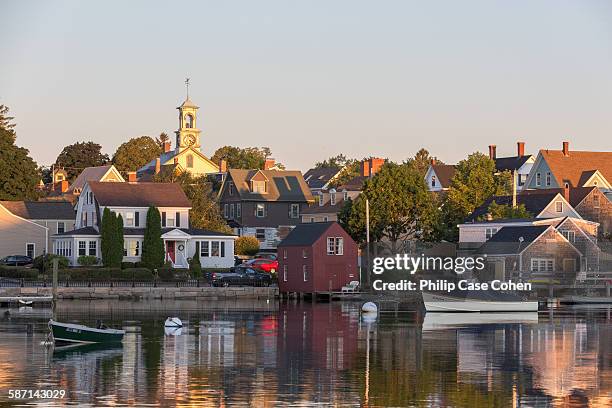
(132, 201)
(439, 176)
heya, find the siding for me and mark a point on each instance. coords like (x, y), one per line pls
(16, 232)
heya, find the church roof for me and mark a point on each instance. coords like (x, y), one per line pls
(189, 104)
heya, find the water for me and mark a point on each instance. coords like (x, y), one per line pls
(255, 353)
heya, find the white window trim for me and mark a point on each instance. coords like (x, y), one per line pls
(284, 273)
(33, 251)
(305, 272)
(557, 205)
(539, 261)
(263, 210)
(57, 229)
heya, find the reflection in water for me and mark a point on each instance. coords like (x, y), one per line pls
(260, 354)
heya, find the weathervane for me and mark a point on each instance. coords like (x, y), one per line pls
(187, 86)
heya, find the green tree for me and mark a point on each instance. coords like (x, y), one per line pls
(243, 158)
(246, 245)
(505, 211)
(337, 162)
(422, 160)
(135, 153)
(75, 157)
(107, 235)
(205, 212)
(118, 242)
(19, 173)
(153, 244)
(161, 139)
(195, 267)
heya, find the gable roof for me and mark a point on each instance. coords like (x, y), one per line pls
(326, 207)
(306, 234)
(510, 163)
(506, 240)
(577, 165)
(445, 173)
(576, 194)
(166, 157)
(282, 185)
(534, 203)
(139, 194)
(91, 174)
(319, 177)
(354, 184)
(41, 210)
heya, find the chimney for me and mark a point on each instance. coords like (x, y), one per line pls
(167, 146)
(566, 149)
(131, 177)
(176, 160)
(222, 166)
(566, 191)
(61, 186)
(365, 168)
(492, 152)
(375, 165)
(433, 161)
(520, 149)
(269, 163)
(157, 165)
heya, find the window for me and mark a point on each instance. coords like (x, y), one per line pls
(63, 248)
(204, 249)
(231, 213)
(131, 247)
(129, 219)
(596, 200)
(170, 221)
(260, 210)
(258, 186)
(521, 179)
(284, 254)
(260, 234)
(304, 253)
(189, 121)
(569, 235)
(433, 181)
(294, 211)
(559, 206)
(214, 248)
(538, 179)
(82, 248)
(226, 210)
(93, 248)
(332, 198)
(222, 244)
(321, 199)
(335, 246)
(230, 188)
(84, 219)
(136, 219)
(60, 177)
(61, 227)
(542, 265)
(284, 273)
(339, 246)
(163, 214)
(548, 178)
(238, 210)
(489, 232)
(311, 219)
(305, 272)
(345, 195)
(189, 159)
(31, 250)
(325, 219)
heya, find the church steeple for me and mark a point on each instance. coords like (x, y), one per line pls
(188, 134)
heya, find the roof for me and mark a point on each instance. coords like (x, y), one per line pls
(80, 231)
(326, 207)
(445, 173)
(41, 210)
(139, 194)
(354, 184)
(506, 240)
(510, 163)
(534, 203)
(141, 231)
(318, 177)
(577, 165)
(576, 194)
(188, 103)
(165, 170)
(306, 234)
(89, 174)
(283, 185)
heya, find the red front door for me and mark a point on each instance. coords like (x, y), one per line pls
(170, 251)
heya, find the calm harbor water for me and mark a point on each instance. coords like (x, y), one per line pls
(258, 353)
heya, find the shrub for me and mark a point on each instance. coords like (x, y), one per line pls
(127, 265)
(137, 274)
(165, 273)
(45, 262)
(153, 244)
(86, 260)
(246, 246)
(105, 274)
(18, 272)
(195, 267)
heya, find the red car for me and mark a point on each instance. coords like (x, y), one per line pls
(263, 264)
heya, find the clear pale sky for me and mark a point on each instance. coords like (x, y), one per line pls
(312, 79)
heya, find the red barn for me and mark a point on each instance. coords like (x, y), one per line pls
(317, 257)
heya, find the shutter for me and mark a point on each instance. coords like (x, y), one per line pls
(178, 219)
(136, 219)
(163, 218)
(222, 249)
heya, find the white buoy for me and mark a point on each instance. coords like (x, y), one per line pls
(173, 331)
(173, 322)
(369, 307)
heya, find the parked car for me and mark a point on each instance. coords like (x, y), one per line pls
(16, 260)
(241, 275)
(263, 264)
(266, 255)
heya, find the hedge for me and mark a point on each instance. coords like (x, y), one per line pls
(18, 272)
(104, 274)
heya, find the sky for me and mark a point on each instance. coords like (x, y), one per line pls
(312, 79)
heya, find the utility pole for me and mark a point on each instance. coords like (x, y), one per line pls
(368, 242)
(513, 188)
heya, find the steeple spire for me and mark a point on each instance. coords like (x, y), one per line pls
(187, 86)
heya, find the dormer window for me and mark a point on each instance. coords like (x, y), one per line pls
(258, 186)
(321, 199)
(433, 181)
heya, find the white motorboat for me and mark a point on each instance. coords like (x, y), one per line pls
(443, 320)
(477, 301)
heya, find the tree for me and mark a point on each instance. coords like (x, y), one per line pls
(243, 158)
(153, 245)
(161, 139)
(422, 160)
(75, 157)
(135, 153)
(19, 174)
(505, 211)
(246, 245)
(205, 212)
(195, 267)
(118, 242)
(336, 162)
(107, 237)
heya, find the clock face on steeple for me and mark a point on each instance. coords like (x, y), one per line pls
(190, 140)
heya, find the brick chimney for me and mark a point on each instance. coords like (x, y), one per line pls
(492, 152)
(566, 191)
(365, 168)
(375, 165)
(131, 175)
(433, 161)
(157, 165)
(222, 166)
(176, 160)
(167, 146)
(566, 149)
(520, 149)
(269, 163)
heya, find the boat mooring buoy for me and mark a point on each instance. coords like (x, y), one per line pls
(173, 322)
(369, 307)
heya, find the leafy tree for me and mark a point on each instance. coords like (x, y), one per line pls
(243, 158)
(153, 244)
(422, 160)
(19, 174)
(205, 212)
(118, 242)
(107, 235)
(246, 245)
(161, 139)
(135, 153)
(75, 157)
(505, 211)
(337, 162)
(195, 267)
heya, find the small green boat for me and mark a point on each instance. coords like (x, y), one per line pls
(77, 333)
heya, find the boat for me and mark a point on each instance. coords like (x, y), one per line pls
(25, 302)
(78, 333)
(444, 320)
(477, 301)
(173, 322)
(577, 300)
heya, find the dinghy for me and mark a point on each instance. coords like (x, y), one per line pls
(477, 301)
(173, 322)
(77, 333)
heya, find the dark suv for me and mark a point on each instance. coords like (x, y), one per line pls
(16, 260)
(241, 276)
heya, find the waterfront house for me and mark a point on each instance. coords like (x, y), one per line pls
(317, 257)
(26, 227)
(132, 201)
(520, 164)
(265, 204)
